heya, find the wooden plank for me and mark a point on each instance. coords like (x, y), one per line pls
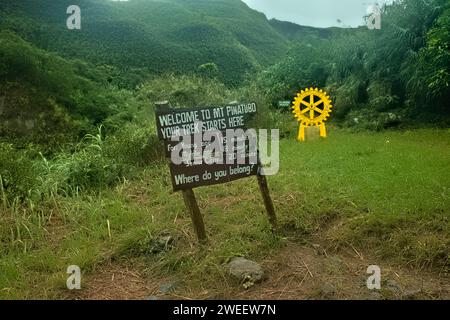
(196, 215)
(262, 181)
(188, 195)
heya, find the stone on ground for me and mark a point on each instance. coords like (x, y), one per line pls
(246, 271)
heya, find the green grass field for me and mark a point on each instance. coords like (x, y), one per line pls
(387, 194)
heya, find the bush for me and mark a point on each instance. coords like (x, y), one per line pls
(369, 119)
(134, 145)
(348, 97)
(208, 70)
(99, 162)
(18, 175)
(86, 169)
(192, 91)
(184, 91)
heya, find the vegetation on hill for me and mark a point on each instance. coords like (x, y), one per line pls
(153, 36)
(381, 78)
(49, 100)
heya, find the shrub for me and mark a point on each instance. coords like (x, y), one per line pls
(134, 145)
(208, 70)
(184, 91)
(18, 175)
(369, 119)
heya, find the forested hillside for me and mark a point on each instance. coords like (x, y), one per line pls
(152, 36)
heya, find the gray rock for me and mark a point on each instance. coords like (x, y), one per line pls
(327, 290)
(411, 294)
(163, 242)
(393, 287)
(153, 298)
(375, 295)
(336, 260)
(246, 271)
(337, 263)
(317, 249)
(168, 287)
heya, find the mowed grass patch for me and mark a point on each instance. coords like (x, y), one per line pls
(392, 188)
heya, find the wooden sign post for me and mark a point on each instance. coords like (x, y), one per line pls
(196, 215)
(192, 174)
(262, 181)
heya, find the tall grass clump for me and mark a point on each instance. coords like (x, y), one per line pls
(99, 162)
(18, 175)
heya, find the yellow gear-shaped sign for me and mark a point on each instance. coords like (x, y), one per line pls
(311, 107)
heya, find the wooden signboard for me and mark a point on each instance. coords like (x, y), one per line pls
(198, 170)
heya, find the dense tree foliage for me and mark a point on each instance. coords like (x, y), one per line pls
(153, 36)
(376, 77)
(49, 100)
(435, 58)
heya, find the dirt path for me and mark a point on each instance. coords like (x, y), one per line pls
(296, 272)
(309, 272)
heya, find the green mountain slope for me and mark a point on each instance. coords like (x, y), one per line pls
(158, 36)
(297, 32)
(49, 100)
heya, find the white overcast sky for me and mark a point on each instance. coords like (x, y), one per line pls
(316, 13)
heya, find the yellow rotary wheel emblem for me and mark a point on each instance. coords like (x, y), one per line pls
(311, 107)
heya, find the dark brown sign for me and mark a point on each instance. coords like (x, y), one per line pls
(237, 160)
(225, 157)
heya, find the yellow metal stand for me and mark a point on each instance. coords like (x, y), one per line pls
(311, 107)
(323, 130)
(301, 133)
